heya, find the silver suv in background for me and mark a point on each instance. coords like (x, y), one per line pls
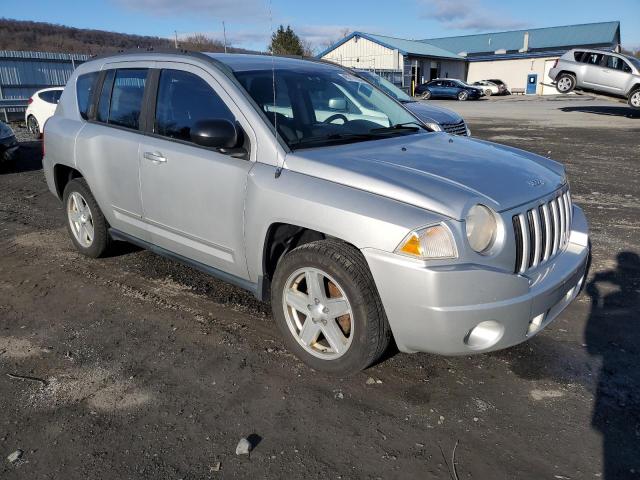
(352, 217)
(600, 71)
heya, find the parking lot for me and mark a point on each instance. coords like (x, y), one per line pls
(136, 367)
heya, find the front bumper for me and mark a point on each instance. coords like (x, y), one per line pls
(439, 309)
(9, 148)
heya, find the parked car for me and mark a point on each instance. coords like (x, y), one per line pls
(42, 105)
(436, 118)
(356, 228)
(605, 72)
(489, 88)
(8, 144)
(448, 88)
(500, 83)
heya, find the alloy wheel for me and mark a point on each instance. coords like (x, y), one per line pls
(80, 219)
(635, 99)
(318, 313)
(32, 126)
(565, 84)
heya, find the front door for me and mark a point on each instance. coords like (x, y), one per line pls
(532, 83)
(193, 197)
(615, 74)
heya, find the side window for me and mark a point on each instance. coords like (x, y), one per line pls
(617, 63)
(592, 58)
(578, 56)
(84, 88)
(126, 98)
(105, 97)
(329, 98)
(183, 99)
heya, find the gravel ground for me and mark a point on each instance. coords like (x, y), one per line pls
(135, 367)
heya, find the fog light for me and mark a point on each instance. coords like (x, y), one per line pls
(536, 323)
(484, 335)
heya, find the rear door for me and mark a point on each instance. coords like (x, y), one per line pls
(593, 72)
(108, 145)
(193, 197)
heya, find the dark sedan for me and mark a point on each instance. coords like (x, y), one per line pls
(448, 88)
(8, 143)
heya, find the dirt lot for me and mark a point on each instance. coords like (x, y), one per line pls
(152, 370)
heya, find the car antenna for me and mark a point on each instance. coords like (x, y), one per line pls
(273, 84)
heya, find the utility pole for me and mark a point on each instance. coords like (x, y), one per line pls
(224, 33)
(175, 32)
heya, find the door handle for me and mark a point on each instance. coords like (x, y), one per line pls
(155, 157)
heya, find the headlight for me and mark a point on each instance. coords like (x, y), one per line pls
(468, 132)
(429, 243)
(482, 228)
(5, 131)
(434, 126)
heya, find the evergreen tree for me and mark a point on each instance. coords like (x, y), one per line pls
(285, 42)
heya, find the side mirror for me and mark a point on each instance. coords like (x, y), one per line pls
(339, 104)
(215, 133)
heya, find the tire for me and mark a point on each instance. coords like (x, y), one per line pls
(33, 126)
(488, 92)
(565, 83)
(426, 95)
(463, 96)
(634, 99)
(346, 281)
(78, 200)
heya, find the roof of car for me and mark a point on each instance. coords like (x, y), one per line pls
(242, 62)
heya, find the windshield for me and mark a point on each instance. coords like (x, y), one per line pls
(325, 106)
(386, 86)
(635, 61)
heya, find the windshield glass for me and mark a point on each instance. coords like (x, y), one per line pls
(386, 86)
(325, 106)
(635, 61)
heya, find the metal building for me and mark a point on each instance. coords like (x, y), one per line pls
(521, 58)
(22, 73)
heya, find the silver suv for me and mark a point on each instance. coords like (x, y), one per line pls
(356, 221)
(600, 71)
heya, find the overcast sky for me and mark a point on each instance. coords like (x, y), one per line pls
(249, 21)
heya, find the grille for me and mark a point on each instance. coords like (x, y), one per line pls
(542, 231)
(455, 128)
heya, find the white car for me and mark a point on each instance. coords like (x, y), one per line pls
(42, 105)
(489, 88)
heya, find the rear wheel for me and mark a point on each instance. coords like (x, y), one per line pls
(463, 95)
(33, 126)
(634, 99)
(327, 307)
(86, 224)
(565, 83)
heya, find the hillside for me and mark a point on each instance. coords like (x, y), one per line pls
(47, 37)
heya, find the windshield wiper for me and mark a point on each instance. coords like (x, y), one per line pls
(408, 126)
(335, 137)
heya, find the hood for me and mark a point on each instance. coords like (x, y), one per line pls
(430, 113)
(435, 171)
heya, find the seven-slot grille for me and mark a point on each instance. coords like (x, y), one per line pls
(543, 231)
(455, 128)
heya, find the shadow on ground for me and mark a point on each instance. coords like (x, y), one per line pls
(613, 334)
(627, 112)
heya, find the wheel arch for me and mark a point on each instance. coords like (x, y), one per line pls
(634, 87)
(62, 175)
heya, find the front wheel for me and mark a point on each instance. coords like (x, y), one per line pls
(488, 92)
(327, 307)
(634, 99)
(426, 95)
(86, 224)
(462, 96)
(565, 83)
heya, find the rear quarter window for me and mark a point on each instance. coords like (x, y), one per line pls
(84, 88)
